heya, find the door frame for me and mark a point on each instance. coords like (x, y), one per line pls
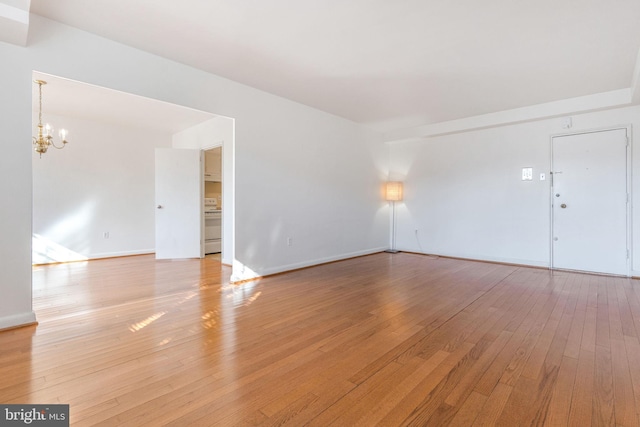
(628, 129)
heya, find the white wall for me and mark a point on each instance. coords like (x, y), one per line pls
(103, 181)
(465, 196)
(317, 183)
(15, 189)
(213, 133)
(323, 180)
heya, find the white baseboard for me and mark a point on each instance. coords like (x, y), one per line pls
(248, 274)
(514, 261)
(476, 257)
(17, 320)
(121, 253)
(101, 255)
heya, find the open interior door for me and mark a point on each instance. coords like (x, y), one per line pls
(178, 203)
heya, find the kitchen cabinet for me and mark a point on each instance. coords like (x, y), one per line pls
(213, 165)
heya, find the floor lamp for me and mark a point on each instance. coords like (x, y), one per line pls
(393, 194)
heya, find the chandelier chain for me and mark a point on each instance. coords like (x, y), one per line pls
(40, 103)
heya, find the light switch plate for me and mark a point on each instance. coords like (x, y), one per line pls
(543, 177)
(527, 174)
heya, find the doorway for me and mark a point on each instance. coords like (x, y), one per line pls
(95, 199)
(590, 201)
(213, 200)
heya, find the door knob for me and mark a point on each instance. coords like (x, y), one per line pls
(159, 206)
(557, 194)
(563, 206)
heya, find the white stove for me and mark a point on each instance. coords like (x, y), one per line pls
(217, 213)
(212, 226)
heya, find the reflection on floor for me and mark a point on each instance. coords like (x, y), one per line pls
(216, 257)
(46, 251)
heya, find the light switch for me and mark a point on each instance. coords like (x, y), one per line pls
(542, 177)
(527, 174)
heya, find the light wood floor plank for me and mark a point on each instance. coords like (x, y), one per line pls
(493, 407)
(562, 393)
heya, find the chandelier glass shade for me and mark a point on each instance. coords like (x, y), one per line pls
(44, 140)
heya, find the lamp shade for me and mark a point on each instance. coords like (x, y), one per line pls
(393, 191)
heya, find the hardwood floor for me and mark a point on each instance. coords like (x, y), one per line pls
(384, 339)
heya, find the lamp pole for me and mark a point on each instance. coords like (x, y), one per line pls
(393, 249)
(393, 193)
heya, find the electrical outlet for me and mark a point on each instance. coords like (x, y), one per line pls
(105, 234)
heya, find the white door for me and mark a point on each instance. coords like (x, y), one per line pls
(589, 202)
(179, 207)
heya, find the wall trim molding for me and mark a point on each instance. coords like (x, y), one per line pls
(583, 104)
(18, 320)
(304, 264)
(122, 253)
(482, 258)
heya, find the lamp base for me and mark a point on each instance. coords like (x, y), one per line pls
(392, 251)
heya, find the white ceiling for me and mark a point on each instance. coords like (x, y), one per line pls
(75, 99)
(388, 64)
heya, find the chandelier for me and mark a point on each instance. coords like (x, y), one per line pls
(45, 139)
